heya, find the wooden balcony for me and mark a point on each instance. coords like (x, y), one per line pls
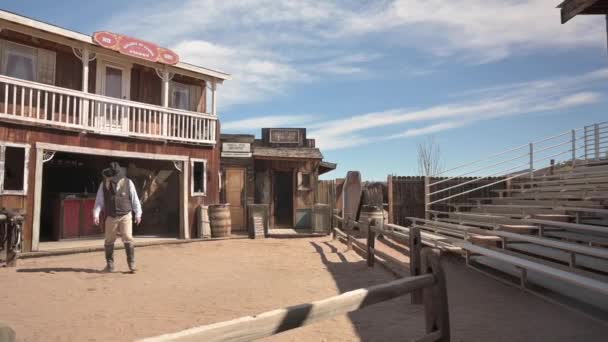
(45, 105)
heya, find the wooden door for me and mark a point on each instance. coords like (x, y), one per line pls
(235, 195)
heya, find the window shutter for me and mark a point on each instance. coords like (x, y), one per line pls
(46, 66)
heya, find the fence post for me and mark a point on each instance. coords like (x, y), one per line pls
(596, 140)
(371, 243)
(531, 160)
(349, 242)
(437, 316)
(585, 137)
(427, 197)
(415, 247)
(573, 148)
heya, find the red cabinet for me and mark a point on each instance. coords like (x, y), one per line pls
(74, 217)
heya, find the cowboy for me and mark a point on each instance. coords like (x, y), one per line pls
(118, 198)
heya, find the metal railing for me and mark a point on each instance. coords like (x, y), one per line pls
(37, 103)
(572, 148)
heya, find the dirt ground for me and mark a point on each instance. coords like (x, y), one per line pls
(65, 298)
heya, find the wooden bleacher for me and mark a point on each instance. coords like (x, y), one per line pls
(554, 225)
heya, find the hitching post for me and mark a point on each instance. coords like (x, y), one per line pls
(371, 242)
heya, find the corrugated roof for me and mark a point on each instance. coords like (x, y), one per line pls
(287, 152)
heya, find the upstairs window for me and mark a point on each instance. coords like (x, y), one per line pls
(27, 63)
(185, 96)
(13, 169)
(199, 177)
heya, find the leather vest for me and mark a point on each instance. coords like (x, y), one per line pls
(117, 201)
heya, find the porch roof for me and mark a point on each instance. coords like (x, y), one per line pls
(83, 38)
(264, 152)
(325, 167)
(572, 8)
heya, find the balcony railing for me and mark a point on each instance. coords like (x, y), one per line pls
(43, 104)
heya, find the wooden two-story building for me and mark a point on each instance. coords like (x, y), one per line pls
(71, 103)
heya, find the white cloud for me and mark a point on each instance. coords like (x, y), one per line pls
(434, 128)
(253, 124)
(270, 45)
(549, 95)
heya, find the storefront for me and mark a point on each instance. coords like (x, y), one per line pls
(279, 170)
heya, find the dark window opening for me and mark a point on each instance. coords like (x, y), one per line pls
(14, 168)
(198, 175)
(306, 181)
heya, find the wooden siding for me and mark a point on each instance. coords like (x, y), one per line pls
(31, 135)
(264, 187)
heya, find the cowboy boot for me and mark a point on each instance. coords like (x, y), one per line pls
(130, 250)
(109, 258)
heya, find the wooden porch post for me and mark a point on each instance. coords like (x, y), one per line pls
(214, 97)
(85, 69)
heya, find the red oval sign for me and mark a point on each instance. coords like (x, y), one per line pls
(138, 48)
(106, 39)
(135, 47)
(167, 56)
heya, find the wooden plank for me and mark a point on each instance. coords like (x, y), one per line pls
(584, 210)
(352, 195)
(571, 226)
(586, 238)
(276, 321)
(598, 286)
(565, 257)
(565, 246)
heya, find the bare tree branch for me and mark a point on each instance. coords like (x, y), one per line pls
(429, 158)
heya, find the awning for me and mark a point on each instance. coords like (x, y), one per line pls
(325, 167)
(262, 152)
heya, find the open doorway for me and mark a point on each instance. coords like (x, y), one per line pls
(283, 199)
(70, 182)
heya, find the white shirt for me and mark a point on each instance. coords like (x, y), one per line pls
(99, 200)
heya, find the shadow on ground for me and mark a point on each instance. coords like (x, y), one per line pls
(394, 320)
(58, 270)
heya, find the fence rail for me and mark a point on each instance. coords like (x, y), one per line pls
(36, 103)
(428, 286)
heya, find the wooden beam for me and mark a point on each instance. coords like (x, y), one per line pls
(110, 153)
(415, 246)
(276, 321)
(571, 8)
(37, 199)
(436, 310)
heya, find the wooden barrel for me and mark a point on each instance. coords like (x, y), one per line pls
(368, 213)
(219, 217)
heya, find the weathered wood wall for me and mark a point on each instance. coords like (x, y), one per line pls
(406, 195)
(264, 192)
(31, 135)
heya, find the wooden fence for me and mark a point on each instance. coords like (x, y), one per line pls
(427, 285)
(406, 196)
(434, 299)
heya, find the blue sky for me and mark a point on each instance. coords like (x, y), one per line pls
(371, 80)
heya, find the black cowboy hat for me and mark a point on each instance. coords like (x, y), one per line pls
(113, 171)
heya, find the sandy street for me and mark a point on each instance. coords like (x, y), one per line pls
(180, 286)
